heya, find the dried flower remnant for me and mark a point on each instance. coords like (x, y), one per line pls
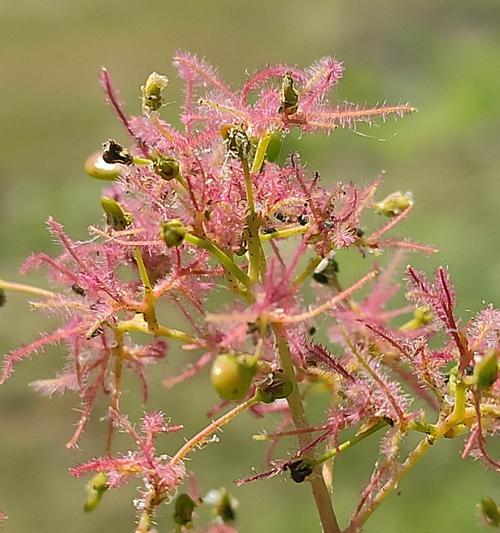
(202, 212)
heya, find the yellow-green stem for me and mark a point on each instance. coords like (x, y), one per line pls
(115, 400)
(26, 289)
(160, 331)
(223, 259)
(350, 442)
(311, 266)
(149, 297)
(284, 233)
(201, 437)
(409, 463)
(319, 489)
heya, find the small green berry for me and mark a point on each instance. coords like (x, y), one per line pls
(167, 168)
(172, 232)
(274, 387)
(231, 376)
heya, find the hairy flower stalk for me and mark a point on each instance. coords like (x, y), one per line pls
(218, 221)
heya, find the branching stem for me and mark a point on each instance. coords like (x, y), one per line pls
(319, 489)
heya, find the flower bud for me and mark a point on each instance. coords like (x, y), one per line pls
(112, 152)
(289, 97)
(489, 511)
(116, 217)
(184, 507)
(274, 387)
(152, 99)
(96, 167)
(300, 469)
(172, 232)
(231, 376)
(486, 370)
(167, 168)
(326, 272)
(394, 204)
(96, 487)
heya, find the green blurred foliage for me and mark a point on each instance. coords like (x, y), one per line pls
(440, 55)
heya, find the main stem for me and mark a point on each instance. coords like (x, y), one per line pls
(320, 492)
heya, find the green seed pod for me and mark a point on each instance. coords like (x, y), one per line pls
(152, 98)
(326, 272)
(289, 98)
(237, 142)
(394, 204)
(489, 511)
(113, 152)
(96, 487)
(274, 387)
(3, 297)
(167, 168)
(486, 370)
(274, 147)
(184, 507)
(172, 232)
(231, 376)
(116, 217)
(96, 167)
(300, 469)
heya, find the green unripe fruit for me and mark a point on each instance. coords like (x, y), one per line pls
(231, 376)
(167, 168)
(274, 146)
(172, 232)
(96, 167)
(116, 217)
(274, 387)
(96, 487)
(490, 512)
(486, 370)
(184, 507)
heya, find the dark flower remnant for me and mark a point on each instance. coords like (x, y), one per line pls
(206, 211)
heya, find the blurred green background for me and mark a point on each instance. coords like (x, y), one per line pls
(441, 55)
